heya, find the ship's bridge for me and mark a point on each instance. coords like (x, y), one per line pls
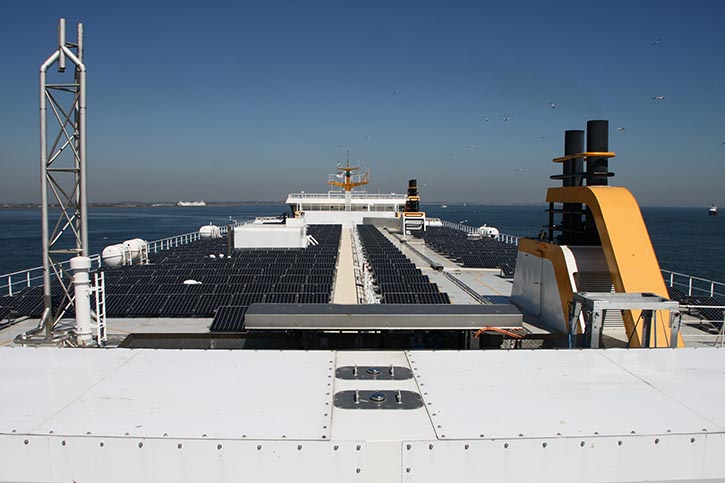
(346, 207)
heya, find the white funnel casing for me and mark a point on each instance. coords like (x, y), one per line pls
(81, 284)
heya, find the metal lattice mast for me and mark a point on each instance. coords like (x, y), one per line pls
(63, 172)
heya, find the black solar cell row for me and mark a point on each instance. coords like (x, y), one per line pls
(481, 253)
(398, 279)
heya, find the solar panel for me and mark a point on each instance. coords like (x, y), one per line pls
(119, 305)
(148, 306)
(180, 305)
(208, 304)
(229, 318)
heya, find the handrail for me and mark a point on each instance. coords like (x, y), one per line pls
(355, 195)
(502, 237)
(692, 284)
(13, 282)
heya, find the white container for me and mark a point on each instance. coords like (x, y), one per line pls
(210, 231)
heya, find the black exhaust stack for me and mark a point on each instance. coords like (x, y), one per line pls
(412, 203)
(577, 226)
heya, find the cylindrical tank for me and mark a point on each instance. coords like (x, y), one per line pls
(114, 255)
(135, 247)
(123, 253)
(210, 231)
(488, 231)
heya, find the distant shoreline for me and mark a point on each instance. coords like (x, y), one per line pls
(136, 204)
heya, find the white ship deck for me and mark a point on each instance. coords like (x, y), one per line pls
(589, 415)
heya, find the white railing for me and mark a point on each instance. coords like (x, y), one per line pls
(693, 286)
(502, 237)
(12, 283)
(459, 226)
(338, 195)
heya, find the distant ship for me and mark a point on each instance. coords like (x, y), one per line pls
(191, 203)
(712, 211)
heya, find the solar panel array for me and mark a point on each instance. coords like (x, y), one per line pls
(29, 302)
(237, 280)
(398, 280)
(481, 253)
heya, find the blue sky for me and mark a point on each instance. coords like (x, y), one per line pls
(252, 100)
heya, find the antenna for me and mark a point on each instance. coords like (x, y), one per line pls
(63, 173)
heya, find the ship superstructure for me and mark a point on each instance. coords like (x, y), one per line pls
(346, 206)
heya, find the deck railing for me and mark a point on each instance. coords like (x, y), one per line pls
(14, 282)
(693, 286)
(502, 237)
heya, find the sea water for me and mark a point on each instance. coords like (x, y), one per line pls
(686, 240)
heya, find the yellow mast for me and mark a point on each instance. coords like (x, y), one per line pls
(348, 184)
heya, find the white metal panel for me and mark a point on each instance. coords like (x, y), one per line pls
(191, 393)
(79, 458)
(526, 291)
(597, 459)
(37, 383)
(504, 394)
(270, 236)
(24, 458)
(551, 311)
(378, 425)
(695, 378)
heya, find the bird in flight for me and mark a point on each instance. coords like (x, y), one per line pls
(506, 117)
(620, 129)
(367, 138)
(471, 146)
(552, 105)
(659, 98)
(395, 92)
(520, 170)
(659, 39)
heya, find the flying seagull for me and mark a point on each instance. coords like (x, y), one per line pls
(367, 138)
(659, 39)
(471, 146)
(552, 105)
(659, 98)
(620, 129)
(506, 117)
